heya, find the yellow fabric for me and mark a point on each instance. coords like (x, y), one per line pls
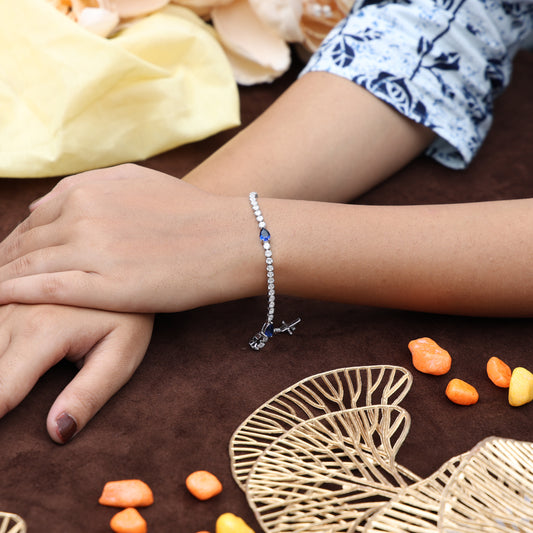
(72, 101)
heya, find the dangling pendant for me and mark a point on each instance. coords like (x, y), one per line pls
(287, 328)
(268, 330)
(259, 340)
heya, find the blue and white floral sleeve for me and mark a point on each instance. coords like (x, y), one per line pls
(439, 62)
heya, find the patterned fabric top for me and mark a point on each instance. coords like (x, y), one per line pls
(439, 62)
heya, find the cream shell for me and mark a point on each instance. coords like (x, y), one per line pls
(98, 20)
(345, 5)
(283, 16)
(202, 8)
(256, 52)
(136, 8)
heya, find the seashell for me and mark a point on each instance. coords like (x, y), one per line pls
(322, 9)
(314, 33)
(283, 16)
(98, 20)
(318, 19)
(257, 53)
(136, 8)
(202, 8)
(345, 5)
(248, 72)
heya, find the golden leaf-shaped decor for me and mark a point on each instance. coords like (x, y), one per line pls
(321, 457)
(415, 508)
(330, 473)
(492, 489)
(323, 393)
(11, 523)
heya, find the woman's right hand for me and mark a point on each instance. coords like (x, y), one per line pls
(106, 347)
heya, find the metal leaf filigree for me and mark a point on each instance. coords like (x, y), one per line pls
(492, 490)
(331, 472)
(415, 508)
(320, 394)
(11, 523)
(320, 457)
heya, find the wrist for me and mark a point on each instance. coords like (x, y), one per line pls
(241, 266)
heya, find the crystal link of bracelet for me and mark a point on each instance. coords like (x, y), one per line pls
(268, 330)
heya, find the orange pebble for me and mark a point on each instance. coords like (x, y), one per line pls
(429, 357)
(499, 372)
(126, 493)
(128, 521)
(461, 392)
(203, 485)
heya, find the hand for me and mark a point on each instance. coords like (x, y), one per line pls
(107, 348)
(131, 239)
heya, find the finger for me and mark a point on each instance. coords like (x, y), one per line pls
(38, 250)
(35, 231)
(50, 259)
(72, 287)
(107, 368)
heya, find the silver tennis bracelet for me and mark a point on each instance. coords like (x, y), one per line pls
(268, 330)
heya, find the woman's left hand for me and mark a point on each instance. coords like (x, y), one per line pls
(131, 239)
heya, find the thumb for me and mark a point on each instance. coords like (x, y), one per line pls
(106, 368)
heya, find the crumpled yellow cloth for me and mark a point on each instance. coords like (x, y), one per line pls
(72, 101)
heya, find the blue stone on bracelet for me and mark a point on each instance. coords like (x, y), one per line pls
(264, 235)
(269, 331)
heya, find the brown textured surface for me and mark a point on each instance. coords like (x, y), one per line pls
(199, 380)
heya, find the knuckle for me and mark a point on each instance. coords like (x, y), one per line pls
(78, 196)
(31, 263)
(22, 265)
(52, 287)
(13, 246)
(81, 206)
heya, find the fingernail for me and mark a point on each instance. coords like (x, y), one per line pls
(66, 427)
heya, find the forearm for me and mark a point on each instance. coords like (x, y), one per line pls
(325, 139)
(469, 259)
(204, 249)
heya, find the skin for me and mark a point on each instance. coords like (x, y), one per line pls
(106, 347)
(80, 244)
(273, 155)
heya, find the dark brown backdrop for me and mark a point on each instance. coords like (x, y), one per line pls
(199, 380)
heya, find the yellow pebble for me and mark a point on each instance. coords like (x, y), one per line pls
(521, 387)
(229, 523)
